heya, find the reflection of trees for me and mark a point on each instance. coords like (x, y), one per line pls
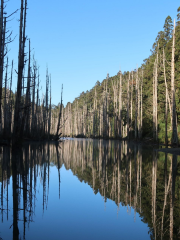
(154, 185)
(135, 177)
(127, 174)
(24, 166)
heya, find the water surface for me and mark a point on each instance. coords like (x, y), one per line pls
(88, 189)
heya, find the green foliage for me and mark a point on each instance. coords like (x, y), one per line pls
(168, 27)
(162, 41)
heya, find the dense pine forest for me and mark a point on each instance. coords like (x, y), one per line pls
(142, 103)
(22, 114)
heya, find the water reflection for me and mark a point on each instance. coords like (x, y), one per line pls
(132, 176)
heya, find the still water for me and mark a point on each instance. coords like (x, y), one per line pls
(89, 189)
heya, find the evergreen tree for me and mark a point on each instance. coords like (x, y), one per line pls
(177, 63)
(178, 16)
(168, 26)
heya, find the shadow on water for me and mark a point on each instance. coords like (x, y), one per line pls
(133, 177)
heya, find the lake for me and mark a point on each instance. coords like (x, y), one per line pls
(89, 189)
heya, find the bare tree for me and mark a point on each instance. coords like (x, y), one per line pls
(59, 118)
(22, 39)
(173, 102)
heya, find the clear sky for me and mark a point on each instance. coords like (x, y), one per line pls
(82, 40)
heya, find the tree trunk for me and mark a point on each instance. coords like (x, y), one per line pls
(156, 84)
(174, 123)
(137, 110)
(5, 106)
(120, 106)
(155, 123)
(141, 106)
(17, 120)
(59, 118)
(167, 101)
(128, 107)
(2, 31)
(131, 102)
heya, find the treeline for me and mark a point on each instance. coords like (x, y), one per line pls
(143, 103)
(22, 115)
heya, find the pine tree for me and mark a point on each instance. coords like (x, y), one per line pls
(168, 28)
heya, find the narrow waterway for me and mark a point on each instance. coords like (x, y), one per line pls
(89, 189)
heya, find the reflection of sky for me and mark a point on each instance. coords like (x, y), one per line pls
(79, 214)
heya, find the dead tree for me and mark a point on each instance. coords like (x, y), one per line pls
(155, 121)
(174, 119)
(49, 120)
(131, 101)
(167, 101)
(2, 43)
(114, 85)
(22, 40)
(59, 118)
(128, 106)
(120, 105)
(26, 113)
(10, 103)
(136, 105)
(5, 103)
(141, 106)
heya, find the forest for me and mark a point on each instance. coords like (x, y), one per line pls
(142, 105)
(138, 104)
(23, 116)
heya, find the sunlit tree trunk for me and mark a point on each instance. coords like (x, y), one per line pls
(155, 123)
(136, 107)
(120, 105)
(167, 101)
(131, 102)
(141, 106)
(128, 106)
(174, 120)
(115, 108)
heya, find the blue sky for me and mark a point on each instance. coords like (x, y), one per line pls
(82, 40)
